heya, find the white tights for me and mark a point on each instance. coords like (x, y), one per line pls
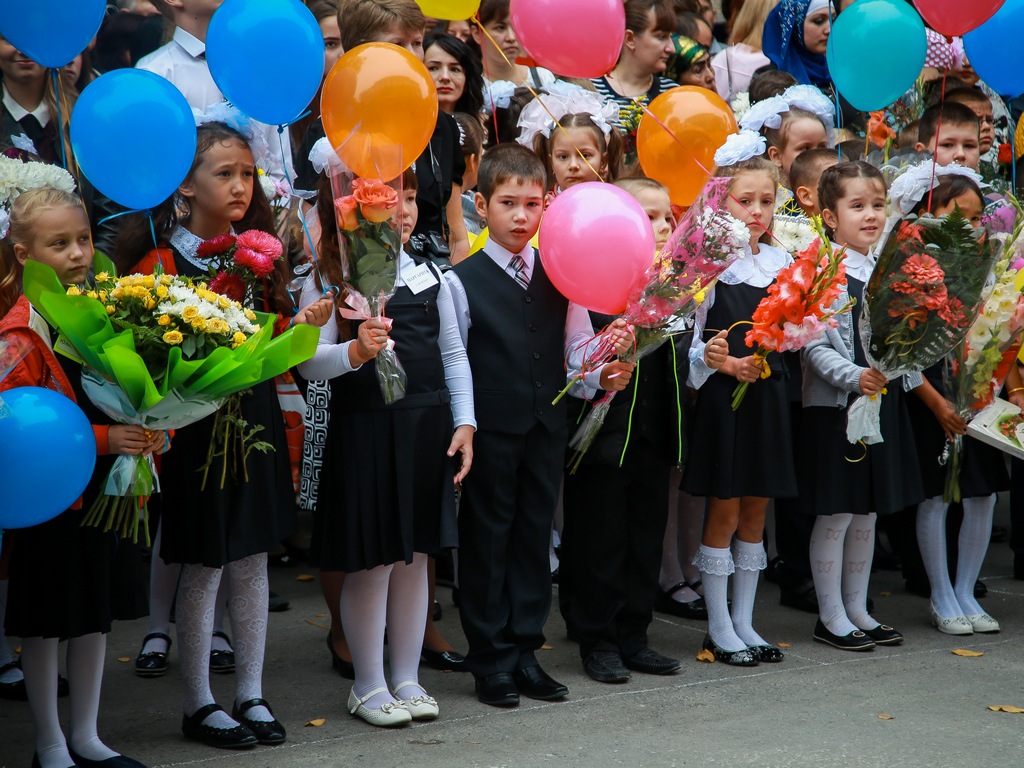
(842, 549)
(975, 532)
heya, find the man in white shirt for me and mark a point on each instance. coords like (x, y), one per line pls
(183, 62)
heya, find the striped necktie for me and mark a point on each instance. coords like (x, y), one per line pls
(518, 267)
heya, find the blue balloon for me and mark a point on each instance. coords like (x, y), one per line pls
(51, 32)
(271, 88)
(894, 35)
(47, 455)
(995, 52)
(134, 137)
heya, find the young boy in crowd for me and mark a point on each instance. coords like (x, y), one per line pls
(518, 329)
(804, 175)
(953, 132)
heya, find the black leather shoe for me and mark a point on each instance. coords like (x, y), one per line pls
(884, 635)
(222, 662)
(498, 690)
(12, 691)
(980, 589)
(238, 737)
(345, 668)
(855, 641)
(277, 603)
(767, 654)
(743, 658)
(605, 667)
(652, 663)
(535, 683)
(445, 661)
(265, 732)
(154, 663)
(696, 610)
(117, 761)
(799, 594)
(437, 612)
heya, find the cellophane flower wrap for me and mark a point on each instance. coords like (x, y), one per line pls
(923, 296)
(368, 214)
(160, 352)
(706, 242)
(982, 360)
(800, 306)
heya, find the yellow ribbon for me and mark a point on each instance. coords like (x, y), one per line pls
(858, 461)
(882, 391)
(760, 359)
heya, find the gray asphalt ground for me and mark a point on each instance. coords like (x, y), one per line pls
(821, 707)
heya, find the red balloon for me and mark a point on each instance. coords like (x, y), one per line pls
(956, 17)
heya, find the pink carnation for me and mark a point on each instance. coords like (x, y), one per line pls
(260, 242)
(215, 246)
(260, 264)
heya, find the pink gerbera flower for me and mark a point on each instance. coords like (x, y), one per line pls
(215, 246)
(260, 264)
(261, 243)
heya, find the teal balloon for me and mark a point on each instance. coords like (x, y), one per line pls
(266, 57)
(876, 51)
(47, 455)
(51, 32)
(995, 52)
(134, 137)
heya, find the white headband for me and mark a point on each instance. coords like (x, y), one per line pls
(910, 187)
(768, 113)
(739, 147)
(817, 5)
(17, 177)
(227, 113)
(565, 99)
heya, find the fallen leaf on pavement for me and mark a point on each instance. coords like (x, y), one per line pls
(886, 594)
(1006, 708)
(963, 652)
(124, 658)
(785, 645)
(885, 717)
(305, 577)
(320, 615)
(316, 723)
(706, 656)
(547, 647)
(316, 625)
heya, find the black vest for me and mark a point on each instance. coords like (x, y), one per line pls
(516, 346)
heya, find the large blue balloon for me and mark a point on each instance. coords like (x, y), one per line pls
(887, 33)
(134, 137)
(51, 32)
(271, 88)
(47, 455)
(995, 52)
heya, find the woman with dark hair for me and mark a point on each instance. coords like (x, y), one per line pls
(457, 74)
(795, 38)
(114, 41)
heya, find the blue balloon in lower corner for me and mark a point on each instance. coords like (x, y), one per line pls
(47, 455)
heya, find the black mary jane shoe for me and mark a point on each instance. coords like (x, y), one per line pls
(271, 732)
(345, 668)
(767, 654)
(696, 610)
(154, 663)
(222, 662)
(855, 641)
(883, 634)
(445, 661)
(117, 761)
(741, 658)
(238, 737)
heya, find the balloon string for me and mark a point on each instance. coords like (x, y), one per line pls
(536, 95)
(148, 213)
(487, 73)
(938, 128)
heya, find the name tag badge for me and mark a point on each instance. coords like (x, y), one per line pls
(64, 347)
(420, 278)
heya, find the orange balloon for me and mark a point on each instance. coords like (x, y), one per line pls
(379, 107)
(701, 121)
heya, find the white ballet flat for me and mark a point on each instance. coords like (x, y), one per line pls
(420, 707)
(982, 622)
(390, 714)
(956, 626)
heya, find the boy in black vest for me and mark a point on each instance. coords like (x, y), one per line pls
(518, 329)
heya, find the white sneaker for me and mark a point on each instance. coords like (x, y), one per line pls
(420, 707)
(391, 713)
(956, 626)
(982, 622)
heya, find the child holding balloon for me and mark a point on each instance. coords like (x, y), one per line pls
(733, 465)
(66, 580)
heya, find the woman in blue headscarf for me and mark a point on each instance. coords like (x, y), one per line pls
(796, 37)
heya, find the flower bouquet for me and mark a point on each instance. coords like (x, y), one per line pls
(371, 242)
(160, 352)
(705, 244)
(239, 264)
(923, 296)
(799, 308)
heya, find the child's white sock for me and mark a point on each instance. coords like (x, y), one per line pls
(975, 534)
(827, 539)
(931, 539)
(715, 566)
(858, 553)
(749, 559)
(13, 674)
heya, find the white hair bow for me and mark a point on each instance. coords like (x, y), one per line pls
(739, 147)
(543, 113)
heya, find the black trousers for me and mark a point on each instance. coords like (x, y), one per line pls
(508, 505)
(611, 550)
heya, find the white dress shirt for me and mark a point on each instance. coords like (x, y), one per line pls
(183, 62)
(41, 113)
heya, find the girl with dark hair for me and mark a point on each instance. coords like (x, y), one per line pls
(457, 74)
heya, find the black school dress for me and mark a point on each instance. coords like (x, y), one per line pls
(67, 580)
(387, 482)
(983, 468)
(216, 526)
(747, 452)
(837, 477)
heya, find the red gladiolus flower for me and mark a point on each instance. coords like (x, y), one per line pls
(215, 246)
(231, 286)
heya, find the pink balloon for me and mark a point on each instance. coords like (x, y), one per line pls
(572, 38)
(596, 243)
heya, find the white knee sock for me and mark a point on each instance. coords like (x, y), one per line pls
(85, 678)
(931, 539)
(406, 619)
(715, 566)
(975, 534)
(827, 538)
(197, 593)
(14, 674)
(247, 606)
(750, 559)
(39, 660)
(858, 553)
(364, 600)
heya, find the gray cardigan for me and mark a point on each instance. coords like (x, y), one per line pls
(829, 373)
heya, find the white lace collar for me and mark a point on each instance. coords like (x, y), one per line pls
(186, 243)
(757, 269)
(858, 265)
